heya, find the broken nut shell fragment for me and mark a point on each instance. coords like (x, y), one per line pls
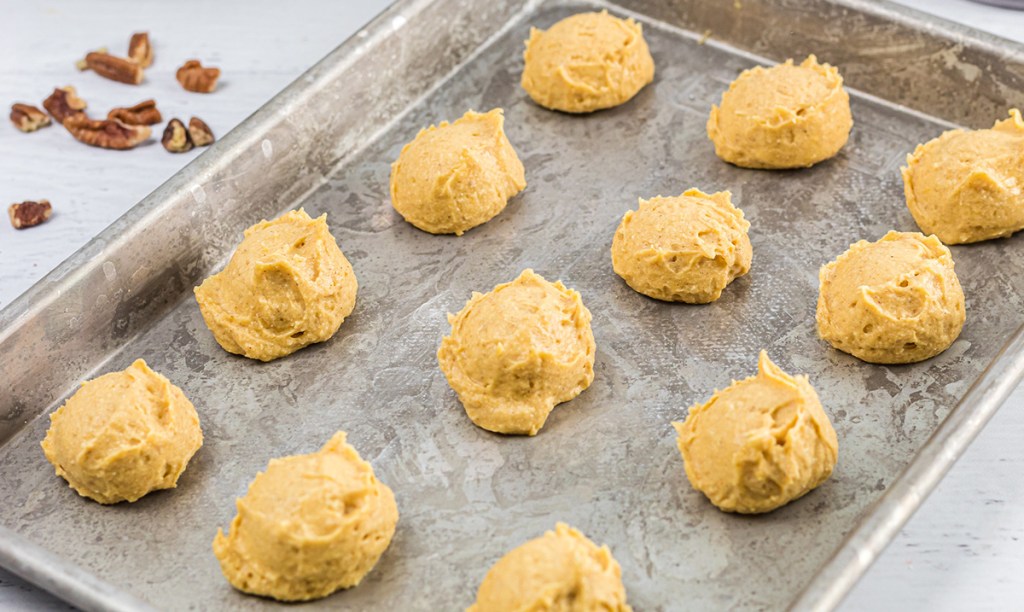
(28, 118)
(193, 77)
(176, 138)
(200, 133)
(139, 49)
(115, 68)
(63, 103)
(143, 113)
(106, 133)
(29, 214)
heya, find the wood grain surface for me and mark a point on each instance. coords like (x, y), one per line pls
(963, 550)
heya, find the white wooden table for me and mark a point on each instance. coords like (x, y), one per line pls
(963, 550)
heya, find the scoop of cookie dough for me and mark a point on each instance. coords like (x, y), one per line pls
(308, 526)
(759, 443)
(587, 62)
(786, 116)
(682, 249)
(123, 435)
(560, 571)
(516, 352)
(287, 285)
(897, 300)
(455, 176)
(967, 186)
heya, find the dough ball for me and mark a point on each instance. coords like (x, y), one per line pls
(786, 116)
(684, 249)
(560, 571)
(308, 526)
(897, 300)
(587, 62)
(516, 352)
(759, 443)
(287, 285)
(123, 435)
(455, 176)
(967, 186)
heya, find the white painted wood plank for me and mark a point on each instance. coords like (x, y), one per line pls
(963, 550)
(260, 46)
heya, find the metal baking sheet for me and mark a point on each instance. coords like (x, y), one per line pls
(605, 462)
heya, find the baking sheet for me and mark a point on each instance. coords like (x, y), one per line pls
(605, 462)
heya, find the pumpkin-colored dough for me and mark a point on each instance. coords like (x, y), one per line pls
(456, 176)
(759, 443)
(786, 116)
(308, 526)
(287, 286)
(561, 571)
(897, 300)
(517, 351)
(587, 62)
(967, 186)
(122, 435)
(682, 249)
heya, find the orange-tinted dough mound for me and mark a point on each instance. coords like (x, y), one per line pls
(682, 249)
(122, 435)
(967, 186)
(517, 351)
(897, 300)
(586, 62)
(759, 443)
(455, 176)
(308, 526)
(785, 116)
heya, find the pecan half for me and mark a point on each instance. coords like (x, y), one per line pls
(28, 118)
(143, 113)
(106, 133)
(139, 49)
(176, 138)
(114, 68)
(193, 77)
(28, 214)
(200, 133)
(63, 103)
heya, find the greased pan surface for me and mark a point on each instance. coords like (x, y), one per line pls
(605, 462)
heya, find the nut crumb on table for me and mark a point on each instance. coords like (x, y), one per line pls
(63, 103)
(140, 50)
(28, 118)
(176, 138)
(106, 133)
(195, 78)
(115, 68)
(29, 214)
(199, 132)
(143, 113)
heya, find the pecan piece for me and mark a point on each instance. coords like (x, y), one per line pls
(200, 133)
(106, 133)
(114, 68)
(82, 65)
(63, 103)
(139, 49)
(28, 118)
(193, 77)
(176, 138)
(143, 113)
(28, 214)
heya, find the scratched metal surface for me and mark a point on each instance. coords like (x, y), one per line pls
(605, 462)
